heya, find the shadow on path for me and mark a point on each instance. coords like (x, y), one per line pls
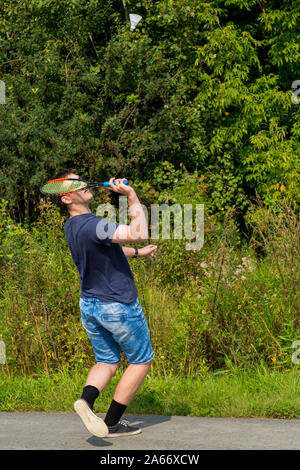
(142, 423)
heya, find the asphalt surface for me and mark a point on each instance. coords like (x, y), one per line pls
(65, 431)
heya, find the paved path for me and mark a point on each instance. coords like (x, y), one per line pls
(39, 431)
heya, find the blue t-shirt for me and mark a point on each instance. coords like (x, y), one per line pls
(103, 267)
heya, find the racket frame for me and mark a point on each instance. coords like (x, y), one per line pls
(89, 184)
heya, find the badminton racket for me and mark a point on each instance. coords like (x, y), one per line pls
(62, 186)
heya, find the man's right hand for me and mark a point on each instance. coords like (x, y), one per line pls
(118, 186)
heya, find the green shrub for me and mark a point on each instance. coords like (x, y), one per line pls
(210, 309)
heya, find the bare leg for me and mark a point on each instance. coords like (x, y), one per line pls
(130, 382)
(100, 374)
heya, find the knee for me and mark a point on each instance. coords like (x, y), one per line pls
(113, 369)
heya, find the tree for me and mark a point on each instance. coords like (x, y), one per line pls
(204, 86)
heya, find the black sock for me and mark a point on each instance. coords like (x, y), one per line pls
(89, 394)
(114, 413)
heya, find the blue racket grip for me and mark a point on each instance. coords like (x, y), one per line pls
(107, 183)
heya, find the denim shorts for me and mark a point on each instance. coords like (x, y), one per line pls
(112, 327)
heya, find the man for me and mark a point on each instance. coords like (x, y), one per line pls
(109, 305)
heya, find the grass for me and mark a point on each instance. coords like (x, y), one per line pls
(253, 393)
(224, 308)
(231, 302)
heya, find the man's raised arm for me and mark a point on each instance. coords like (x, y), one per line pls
(137, 230)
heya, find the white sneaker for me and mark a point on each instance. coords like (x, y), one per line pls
(93, 423)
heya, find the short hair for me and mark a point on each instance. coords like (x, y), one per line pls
(62, 174)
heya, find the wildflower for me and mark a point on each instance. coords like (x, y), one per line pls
(245, 260)
(203, 265)
(239, 270)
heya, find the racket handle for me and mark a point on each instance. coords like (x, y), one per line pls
(107, 183)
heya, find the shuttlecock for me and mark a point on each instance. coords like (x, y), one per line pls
(134, 20)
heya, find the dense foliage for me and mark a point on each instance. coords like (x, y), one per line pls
(199, 86)
(195, 105)
(210, 309)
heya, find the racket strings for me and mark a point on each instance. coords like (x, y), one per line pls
(61, 187)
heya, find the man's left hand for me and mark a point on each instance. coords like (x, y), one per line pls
(147, 251)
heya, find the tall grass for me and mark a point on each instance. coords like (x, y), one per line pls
(230, 304)
(234, 393)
